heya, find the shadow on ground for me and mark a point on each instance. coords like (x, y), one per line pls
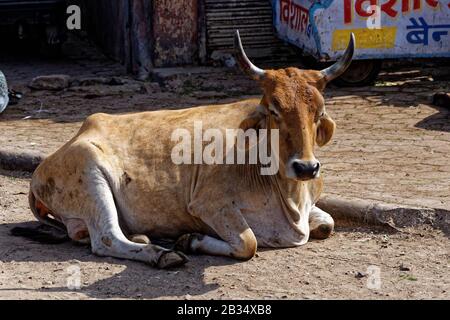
(147, 282)
(437, 122)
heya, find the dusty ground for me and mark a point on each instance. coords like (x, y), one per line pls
(320, 269)
(392, 145)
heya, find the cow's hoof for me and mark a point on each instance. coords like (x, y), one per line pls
(171, 259)
(140, 238)
(184, 242)
(321, 232)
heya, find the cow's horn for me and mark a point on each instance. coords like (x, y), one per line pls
(244, 63)
(342, 64)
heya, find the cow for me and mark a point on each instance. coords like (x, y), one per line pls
(114, 185)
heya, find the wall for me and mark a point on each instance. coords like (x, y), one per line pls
(175, 32)
(144, 34)
(106, 23)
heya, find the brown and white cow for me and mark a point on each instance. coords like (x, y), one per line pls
(115, 179)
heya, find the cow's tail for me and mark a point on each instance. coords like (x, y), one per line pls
(40, 233)
(42, 213)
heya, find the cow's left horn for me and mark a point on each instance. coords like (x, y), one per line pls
(244, 63)
(342, 64)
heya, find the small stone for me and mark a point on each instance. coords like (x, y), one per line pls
(51, 82)
(116, 81)
(402, 267)
(73, 261)
(360, 275)
(153, 87)
(91, 81)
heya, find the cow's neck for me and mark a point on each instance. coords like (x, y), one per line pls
(287, 191)
(292, 195)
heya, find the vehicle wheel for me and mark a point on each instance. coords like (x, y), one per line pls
(360, 73)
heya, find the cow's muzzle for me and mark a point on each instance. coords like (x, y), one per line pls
(306, 170)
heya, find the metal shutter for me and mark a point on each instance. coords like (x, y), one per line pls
(253, 18)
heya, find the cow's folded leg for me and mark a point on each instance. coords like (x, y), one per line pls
(107, 238)
(237, 239)
(321, 224)
(200, 243)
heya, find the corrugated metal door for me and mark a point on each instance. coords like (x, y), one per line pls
(253, 18)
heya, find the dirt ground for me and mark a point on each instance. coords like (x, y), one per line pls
(391, 146)
(412, 264)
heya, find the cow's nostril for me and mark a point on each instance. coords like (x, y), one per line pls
(316, 169)
(299, 168)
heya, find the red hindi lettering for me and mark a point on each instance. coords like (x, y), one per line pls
(406, 3)
(348, 11)
(363, 13)
(387, 8)
(285, 10)
(432, 3)
(298, 17)
(305, 19)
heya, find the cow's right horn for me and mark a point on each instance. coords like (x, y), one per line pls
(244, 63)
(342, 64)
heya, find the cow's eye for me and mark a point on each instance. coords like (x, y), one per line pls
(319, 116)
(273, 111)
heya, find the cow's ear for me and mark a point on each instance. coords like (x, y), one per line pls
(314, 78)
(325, 130)
(253, 121)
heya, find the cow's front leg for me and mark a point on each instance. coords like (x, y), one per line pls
(321, 224)
(236, 238)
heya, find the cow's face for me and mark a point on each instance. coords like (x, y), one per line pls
(298, 111)
(293, 99)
